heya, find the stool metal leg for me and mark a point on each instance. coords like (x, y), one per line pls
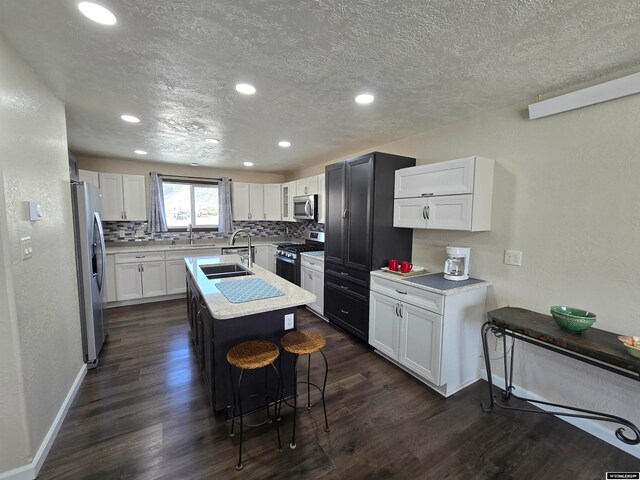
(292, 445)
(239, 465)
(275, 405)
(308, 381)
(324, 386)
(233, 405)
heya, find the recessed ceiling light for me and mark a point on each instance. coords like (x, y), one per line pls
(246, 88)
(130, 118)
(364, 98)
(248, 164)
(140, 152)
(212, 140)
(284, 144)
(97, 13)
(194, 164)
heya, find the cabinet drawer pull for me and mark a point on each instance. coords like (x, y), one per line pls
(344, 311)
(344, 273)
(311, 263)
(343, 287)
(140, 256)
(401, 293)
(427, 194)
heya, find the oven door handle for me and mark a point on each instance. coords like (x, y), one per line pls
(287, 260)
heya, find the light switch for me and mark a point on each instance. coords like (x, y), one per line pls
(35, 211)
(25, 248)
(288, 321)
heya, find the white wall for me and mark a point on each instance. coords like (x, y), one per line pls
(43, 329)
(567, 195)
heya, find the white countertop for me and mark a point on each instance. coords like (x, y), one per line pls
(220, 308)
(147, 246)
(431, 282)
(317, 255)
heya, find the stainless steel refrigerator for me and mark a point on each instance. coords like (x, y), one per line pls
(90, 265)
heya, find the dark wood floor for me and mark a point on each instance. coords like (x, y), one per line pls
(143, 415)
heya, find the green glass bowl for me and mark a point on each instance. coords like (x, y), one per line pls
(574, 320)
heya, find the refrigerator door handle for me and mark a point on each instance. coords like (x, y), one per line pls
(98, 221)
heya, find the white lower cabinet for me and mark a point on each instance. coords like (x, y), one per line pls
(433, 336)
(312, 280)
(140, 275)
(261, 255)
(110, 272)
(176, 276)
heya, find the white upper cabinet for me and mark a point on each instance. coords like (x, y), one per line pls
(288, 192)
(240, 200)
(255, 201)
(452, 195)
(272, 201)
(123, 197)
(90, 177)
(307, 186)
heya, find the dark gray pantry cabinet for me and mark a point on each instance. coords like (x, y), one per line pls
(359, 234)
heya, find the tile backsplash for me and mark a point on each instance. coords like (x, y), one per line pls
(257, 229)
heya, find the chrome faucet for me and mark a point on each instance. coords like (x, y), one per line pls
(232, 241)
(190, 230)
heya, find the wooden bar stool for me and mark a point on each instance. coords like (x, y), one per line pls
(253, 355)
(305, 342)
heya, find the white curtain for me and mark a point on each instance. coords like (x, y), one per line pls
(156, 217)
(225, 222)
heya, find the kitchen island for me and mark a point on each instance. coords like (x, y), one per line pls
(218, 324)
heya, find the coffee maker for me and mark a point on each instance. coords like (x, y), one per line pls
(456, 267)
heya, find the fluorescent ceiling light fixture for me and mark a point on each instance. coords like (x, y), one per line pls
(364, 98)
(97, 13)
(212, 140)
(246, 88)
(130, 118)
(248, 164)
(603, 92)
(140, 152)
(284, 144)
(194, 164)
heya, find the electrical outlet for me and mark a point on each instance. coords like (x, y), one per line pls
(120, 233)
(513, 257)
(139, 233)
(288, 321)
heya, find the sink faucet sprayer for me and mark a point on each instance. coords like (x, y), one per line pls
(232, 241)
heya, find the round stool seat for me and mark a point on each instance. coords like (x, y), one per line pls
(303, 342)
(253, 354)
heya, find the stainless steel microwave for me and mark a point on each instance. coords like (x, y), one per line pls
(305, 207)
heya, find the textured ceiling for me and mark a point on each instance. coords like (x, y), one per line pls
(175, 63)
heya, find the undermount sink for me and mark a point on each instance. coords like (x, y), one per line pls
(213, 272)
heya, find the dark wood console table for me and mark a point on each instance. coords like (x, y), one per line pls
(593, 346)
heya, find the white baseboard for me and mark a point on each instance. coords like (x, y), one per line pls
(31, 470)
(593, 427)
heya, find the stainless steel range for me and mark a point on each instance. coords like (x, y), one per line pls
(288, 255)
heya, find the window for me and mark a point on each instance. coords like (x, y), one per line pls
(190, 203)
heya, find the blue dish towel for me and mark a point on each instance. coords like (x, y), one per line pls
(241, 291)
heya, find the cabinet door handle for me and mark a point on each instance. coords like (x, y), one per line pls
(139, 267)
(142, 266)
(428, 212)
(125, 214)
(397, 311)
(401, 293)
(401, 309)
(424, 212)
(265, 216)
(305, 190)
(345, 212)
(310, 276)
(427, 194)
(344, 311)
(122, 214)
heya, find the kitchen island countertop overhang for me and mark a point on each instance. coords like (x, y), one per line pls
(222, 309)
